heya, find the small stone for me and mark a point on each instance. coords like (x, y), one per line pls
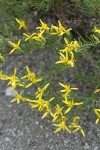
(65, 142)
(41, 126)
(86, 146)
(10, 92)
(36, 122)
(96, 148)
(7, 139)
(47, 135)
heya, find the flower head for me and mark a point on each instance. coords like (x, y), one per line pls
(65, 60)
(61, 126)
(96, 29)
(18, 98)
(31, 77)
(47, 108)
(43, 27)
(60, 30)
(29, 36)
(47, 112)
(38, 36)
(38, 103)
(21, 23)
(58, 112)
(70, 104)
(15, 46)
(13, 80)
(76, 126)
(67, 89)
(40, 91)
(70, 46)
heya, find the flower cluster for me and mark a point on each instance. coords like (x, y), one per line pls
(60, 111)
(15, 81)
(66, 55)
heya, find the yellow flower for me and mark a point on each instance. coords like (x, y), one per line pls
(96, 29)
(47, 102)
(78, 127)
(38, 103)
(14, 45)
(35, 36)
(14, 80)
(48, 111)
(75, 120)
(70, 104)
(58, 112)
(67, 89)
(18, 98)
(31, 77)
(43, 27)
(73, 46)
(41, 105)
(38, 36)
(21, 23)
(60, 30)
(46, 105)
(68, 47)
(62, 118)
(29, 36)
(97, 112)
(65, 60)
(97, 90)
(61, 126)
(40, 91)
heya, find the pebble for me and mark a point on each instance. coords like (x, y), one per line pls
(7, 139)
(86, 146)
(96, 148)
(10, 92)
(36, 122)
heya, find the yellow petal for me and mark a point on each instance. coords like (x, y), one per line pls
(97, 121)
(98, 90)
(45, 114)
(68, 110)
(57, 130)
(82, 131)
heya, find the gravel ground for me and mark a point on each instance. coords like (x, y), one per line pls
(21, 128)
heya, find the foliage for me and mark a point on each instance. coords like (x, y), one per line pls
(89, 7)
(65, 106)
(53, 96)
